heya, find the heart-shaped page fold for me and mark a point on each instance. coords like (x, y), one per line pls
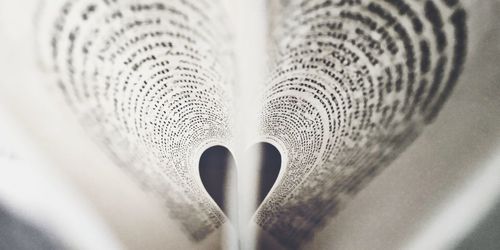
(218, 173)
(353, 83)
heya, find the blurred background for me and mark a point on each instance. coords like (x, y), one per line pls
(60, 190)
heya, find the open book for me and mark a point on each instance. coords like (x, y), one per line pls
(260, 119)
